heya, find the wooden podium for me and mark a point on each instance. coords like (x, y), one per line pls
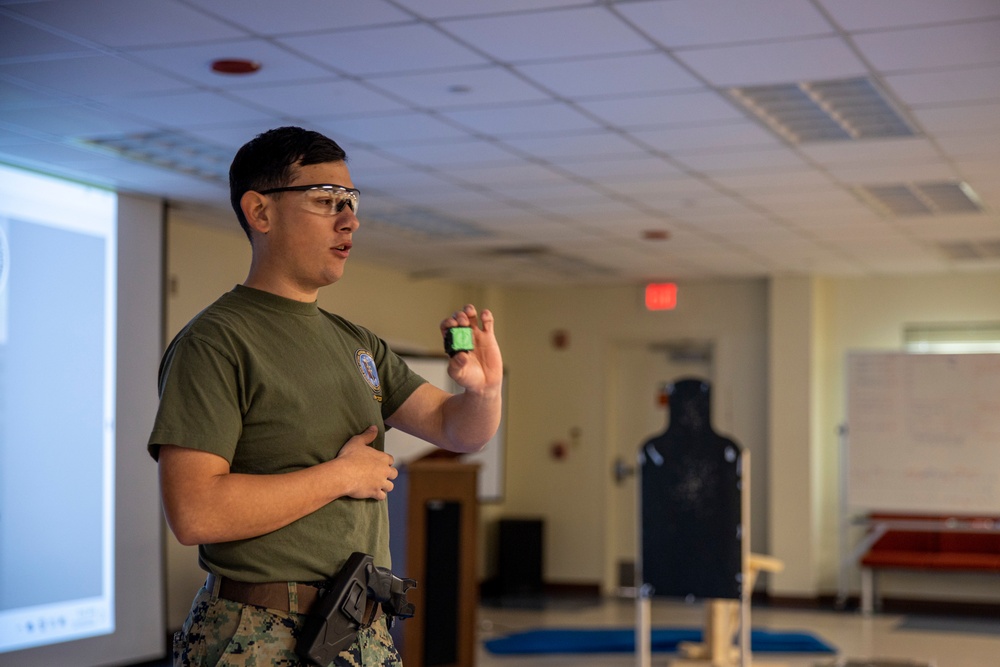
(433, 536)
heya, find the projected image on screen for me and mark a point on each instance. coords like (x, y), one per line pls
(57, 362)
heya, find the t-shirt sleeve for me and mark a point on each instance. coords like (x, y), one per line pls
(398, 379)
(199, 400)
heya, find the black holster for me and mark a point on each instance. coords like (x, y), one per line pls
(333, 626)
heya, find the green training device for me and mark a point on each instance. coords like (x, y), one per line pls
(458, 339)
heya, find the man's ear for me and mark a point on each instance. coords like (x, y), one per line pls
(257, 211)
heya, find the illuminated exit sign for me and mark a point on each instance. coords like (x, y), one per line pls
(661, 296)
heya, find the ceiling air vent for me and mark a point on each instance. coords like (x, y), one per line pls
(907, 199)
(171, 150)
(838, 110)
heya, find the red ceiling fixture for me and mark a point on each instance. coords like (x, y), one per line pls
(235, 66)
(655, 234)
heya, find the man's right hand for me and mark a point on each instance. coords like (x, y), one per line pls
(371, 471)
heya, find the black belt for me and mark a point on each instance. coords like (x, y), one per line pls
(274, 595)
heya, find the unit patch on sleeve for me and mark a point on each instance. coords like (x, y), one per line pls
(366, 364)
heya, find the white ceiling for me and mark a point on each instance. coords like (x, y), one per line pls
(565, 129)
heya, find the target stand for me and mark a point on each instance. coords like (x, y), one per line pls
(694, 532)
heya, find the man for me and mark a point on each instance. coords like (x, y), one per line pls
(273, 412)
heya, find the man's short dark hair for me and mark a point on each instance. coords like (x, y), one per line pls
(268, 160)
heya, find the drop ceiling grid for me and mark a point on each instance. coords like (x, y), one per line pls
(662, 137)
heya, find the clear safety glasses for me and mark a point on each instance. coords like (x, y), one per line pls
(323, 198)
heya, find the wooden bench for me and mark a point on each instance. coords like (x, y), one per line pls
(927, 542)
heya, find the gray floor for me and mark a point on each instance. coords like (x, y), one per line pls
(870, 642)
(880, 641)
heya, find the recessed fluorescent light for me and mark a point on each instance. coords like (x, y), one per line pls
(171, 150)
(837, 110)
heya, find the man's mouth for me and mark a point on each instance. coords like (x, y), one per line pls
(343, 247)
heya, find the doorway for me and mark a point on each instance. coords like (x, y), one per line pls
(639, 377)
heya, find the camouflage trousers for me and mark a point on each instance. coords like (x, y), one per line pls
(222, 633)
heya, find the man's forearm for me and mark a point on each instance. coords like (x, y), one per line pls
(205, 503)
(471, 419)
(231, 506)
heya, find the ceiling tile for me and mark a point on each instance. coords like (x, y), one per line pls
(385, 79)
(694, 209)
(390, 129)
(792, 202)
(414, 48)
(91, 75)
(964, 119)
(643, 74)
(460, 200)
(72, 121)
(24, 41)
(519, 38)
(893, 172)
(592, 145)
(506, 177)
(771, 179)
(951, 227)
(534, 120)
(707, 137)
(681, 23)
(867, 15)
(330, 98)
(66, 155)
(728, 223)
(934, 47)
(14, 95)
(659, 110)
(776, 62)
(482, 86)
(193, 63)
(464, 8)
(112, 22)
(232, 134)
(195, 108)
(656, 187)
(610, 170)
(971, 84)
(874, 150)
(265, 17)
(845, 231)
(443, 155)
(11, 138)
(737, 160)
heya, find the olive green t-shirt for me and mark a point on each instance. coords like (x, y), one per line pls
(274, 385)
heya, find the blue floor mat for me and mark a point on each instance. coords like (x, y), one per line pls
(596, 640)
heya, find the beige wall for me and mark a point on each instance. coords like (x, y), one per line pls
(554, 394)
(818, 321)
(779, 349)
(871, 314)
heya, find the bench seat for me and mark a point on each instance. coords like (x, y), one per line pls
(966, 544)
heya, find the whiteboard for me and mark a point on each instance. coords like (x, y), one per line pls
(923, 432)
(405, 447)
